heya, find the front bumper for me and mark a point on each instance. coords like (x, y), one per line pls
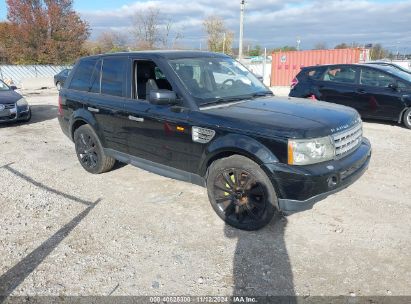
(300, 187)
(15, 114)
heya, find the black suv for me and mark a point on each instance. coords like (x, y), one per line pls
(204, 118)
(375, 91)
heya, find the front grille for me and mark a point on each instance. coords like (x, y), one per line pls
(9, 112)
(9, 106)
(347, 141)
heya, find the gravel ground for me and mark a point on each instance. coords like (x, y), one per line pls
(130, 232)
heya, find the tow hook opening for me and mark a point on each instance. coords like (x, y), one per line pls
(332, 181)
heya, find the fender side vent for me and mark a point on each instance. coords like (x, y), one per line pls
(202, 135)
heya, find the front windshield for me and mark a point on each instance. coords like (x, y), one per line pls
(3, 86)
(212, 80)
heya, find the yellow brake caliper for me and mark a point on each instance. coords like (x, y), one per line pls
(228, 186)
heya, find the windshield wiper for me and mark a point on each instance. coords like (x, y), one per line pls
(237, 98)
(262, 94)
(224, 100)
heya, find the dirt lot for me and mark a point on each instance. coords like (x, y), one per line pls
(129, 232)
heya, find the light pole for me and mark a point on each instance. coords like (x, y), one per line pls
(240, 47)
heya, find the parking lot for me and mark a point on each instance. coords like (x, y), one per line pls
(130, 232)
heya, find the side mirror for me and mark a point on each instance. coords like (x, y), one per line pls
(13, 87)
(163, 97)
(393, 86)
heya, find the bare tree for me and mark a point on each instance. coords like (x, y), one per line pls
(219, 38)
(111, 41)
(320, 46)
(153, 29)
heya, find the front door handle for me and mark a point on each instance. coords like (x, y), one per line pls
(93, 110)
(138, 119)
(361, 91)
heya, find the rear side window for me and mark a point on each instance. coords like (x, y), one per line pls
(340, 74)
(114, 77)
(82, 75)
(313, 73)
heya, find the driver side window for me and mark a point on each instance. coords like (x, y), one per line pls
(374, 78)
(148, 77)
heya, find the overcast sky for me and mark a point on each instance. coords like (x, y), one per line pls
(270, 23)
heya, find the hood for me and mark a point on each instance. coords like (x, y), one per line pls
(9, 97)
(286, 117)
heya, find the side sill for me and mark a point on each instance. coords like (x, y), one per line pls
(156, 168)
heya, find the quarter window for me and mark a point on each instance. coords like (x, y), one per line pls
(82, 76)
(113, 80)
(375, 78)
(340, 74)
(314, 73)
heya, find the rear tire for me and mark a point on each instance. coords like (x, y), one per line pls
(407, 118)
(90, 152)
(241, 193)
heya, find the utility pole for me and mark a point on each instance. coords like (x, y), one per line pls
(298, 43)
(240, 47)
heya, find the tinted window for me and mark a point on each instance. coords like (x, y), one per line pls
(370, 77)
(113, 81)
(340, 74)
(404, 86)
(95, 78)
(82, 75)
(3, 86)
(314, 73)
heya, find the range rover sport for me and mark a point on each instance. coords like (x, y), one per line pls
(204, 118)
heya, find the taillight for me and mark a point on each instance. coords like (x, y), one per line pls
(294, 82)
(60, 106)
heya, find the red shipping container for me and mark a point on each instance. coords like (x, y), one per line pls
(286, 65)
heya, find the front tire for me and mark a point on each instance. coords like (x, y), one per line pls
(407, 118)
(28, 118)
(241, 193)
(90, 152)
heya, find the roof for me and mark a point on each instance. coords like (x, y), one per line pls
(167, 54)
(374, 66)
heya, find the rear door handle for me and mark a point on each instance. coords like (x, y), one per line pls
(93, 110)
(361, 91)
(138, 119)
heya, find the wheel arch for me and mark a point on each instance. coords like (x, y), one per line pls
(79, 118)
(402, 114)
(236, 145)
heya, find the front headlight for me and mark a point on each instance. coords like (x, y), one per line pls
(22, 102)
(310, 151)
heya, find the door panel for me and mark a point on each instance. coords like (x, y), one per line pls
(137, 126)
(380, 100)
(110, 116)
(175, 147)
(339, 85)
(161, 135)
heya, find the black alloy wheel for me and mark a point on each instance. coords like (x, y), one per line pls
(239, 196)
(241, 193)
(90, 152)
(86, 150)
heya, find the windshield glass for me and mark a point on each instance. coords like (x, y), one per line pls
(212, 80)
(3, 86)
(398, 72)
